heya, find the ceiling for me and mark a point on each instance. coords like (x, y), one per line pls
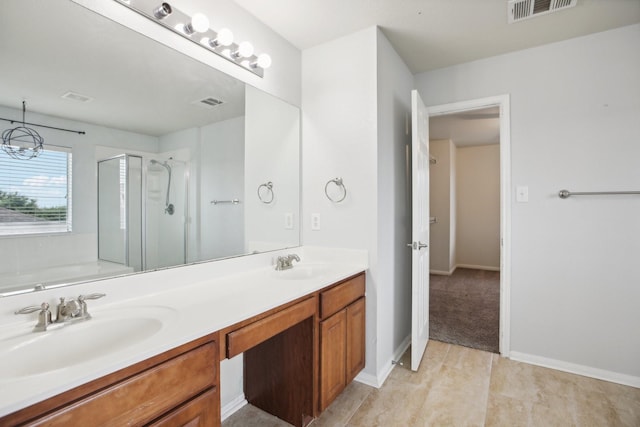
(469, 128)
(135, 83)
(430, 34)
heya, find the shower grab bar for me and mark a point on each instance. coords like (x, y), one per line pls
(565, 194)
(232, 201)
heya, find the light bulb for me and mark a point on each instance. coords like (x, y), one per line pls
(264, 61)
(200, 23)
(224, 38)
(245, 50)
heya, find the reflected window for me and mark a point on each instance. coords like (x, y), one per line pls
(35, 194)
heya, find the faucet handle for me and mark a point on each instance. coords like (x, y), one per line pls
(44, 317)
(32, 309)
(91, 296)
(84, 313)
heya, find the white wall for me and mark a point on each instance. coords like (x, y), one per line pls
(222, 177)
(272, 154)
(440, 194)
(478, 207)
(339, 139)
(575, 124)
(355, 103)
(395, 83)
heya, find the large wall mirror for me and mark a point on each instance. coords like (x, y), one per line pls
(179, 163)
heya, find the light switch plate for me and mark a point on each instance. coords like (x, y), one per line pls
(522, 194)
(288, 221)
(315, 221)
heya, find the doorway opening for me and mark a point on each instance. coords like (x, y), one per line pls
(469, 215)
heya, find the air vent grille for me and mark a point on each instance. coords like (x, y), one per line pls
(74, 96)
(208, 102)
(518, 10)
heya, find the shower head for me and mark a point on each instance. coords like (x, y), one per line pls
(165, 164)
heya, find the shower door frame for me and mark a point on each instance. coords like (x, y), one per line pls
(127, 208)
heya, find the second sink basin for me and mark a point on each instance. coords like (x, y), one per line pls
(109, 331)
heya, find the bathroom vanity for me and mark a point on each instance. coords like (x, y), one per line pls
(299, 354)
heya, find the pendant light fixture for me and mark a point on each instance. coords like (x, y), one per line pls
(22, 142)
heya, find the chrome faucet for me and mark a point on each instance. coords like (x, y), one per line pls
(286, 262)
(67, 311)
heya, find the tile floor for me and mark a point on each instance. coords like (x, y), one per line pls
(458, 386)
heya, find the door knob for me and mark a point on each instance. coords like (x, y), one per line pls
(417, 245)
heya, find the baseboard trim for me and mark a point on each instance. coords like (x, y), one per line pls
(232, 407)
(478, 267)
(444, 272)
(573, 368)
(378, 380)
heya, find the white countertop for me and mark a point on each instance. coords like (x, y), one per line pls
(192, 311)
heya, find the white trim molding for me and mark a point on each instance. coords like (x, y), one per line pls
(232, 407)
(378, 380)
(479, 267)
(573, 368)
(503, 102)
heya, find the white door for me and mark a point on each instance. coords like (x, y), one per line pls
(419, 230)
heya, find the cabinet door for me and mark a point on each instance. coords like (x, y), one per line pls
(199, 412)
(332, 357)
(356, 326)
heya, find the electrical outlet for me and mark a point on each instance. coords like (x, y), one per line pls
(288, 221)
(315, 221)
(522, 194)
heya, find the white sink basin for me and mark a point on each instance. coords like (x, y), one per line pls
(109, 331)
(302, 272)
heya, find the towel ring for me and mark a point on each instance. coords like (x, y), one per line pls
(269, 187)
(339, 183)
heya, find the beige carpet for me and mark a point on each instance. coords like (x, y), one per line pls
(464, 308)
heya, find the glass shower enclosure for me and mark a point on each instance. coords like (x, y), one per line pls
(142, 211)
(120, 211)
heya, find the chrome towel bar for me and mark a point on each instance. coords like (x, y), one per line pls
(232, 201)
(565, 194)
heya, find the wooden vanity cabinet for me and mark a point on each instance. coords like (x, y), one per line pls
(177, 388)
(342, 337)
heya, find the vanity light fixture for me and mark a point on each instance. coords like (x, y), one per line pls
(199, 24)
(161, 11)
(245, 50)
(223, 38)
(263, 61)
(221, 42)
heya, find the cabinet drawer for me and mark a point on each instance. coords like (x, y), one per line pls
(338, 297)
(143, 397)
(199, 412)
(251, 335)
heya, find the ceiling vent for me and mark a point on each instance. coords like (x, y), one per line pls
(74, 96)
(208, 102)
(519, 10)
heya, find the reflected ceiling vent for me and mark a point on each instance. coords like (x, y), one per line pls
(519, 10)
(77, 97)
(208, 102)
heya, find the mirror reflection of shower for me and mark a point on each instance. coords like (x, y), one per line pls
(168, 206)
